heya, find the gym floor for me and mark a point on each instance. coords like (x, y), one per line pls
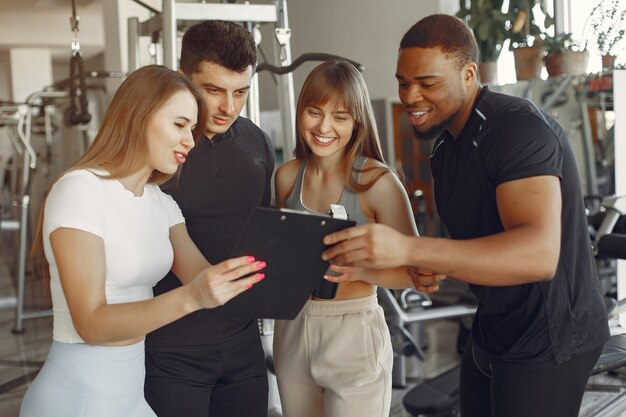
(22, 355)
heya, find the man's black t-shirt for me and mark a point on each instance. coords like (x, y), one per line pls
(507, 138)
(223, 179)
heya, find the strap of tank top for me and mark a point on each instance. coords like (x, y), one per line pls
(293, 200)
(350, 199)
(358, 164)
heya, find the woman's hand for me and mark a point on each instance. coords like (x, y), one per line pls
(220, 283)
(425, 281)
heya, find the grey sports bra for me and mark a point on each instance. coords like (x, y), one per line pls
(349, 199)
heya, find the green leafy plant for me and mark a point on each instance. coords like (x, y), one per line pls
(606, 26)
(489, 24)
(559, 43)
(564, 55)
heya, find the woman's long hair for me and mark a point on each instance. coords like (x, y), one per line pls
(338, 79)
(121, 145)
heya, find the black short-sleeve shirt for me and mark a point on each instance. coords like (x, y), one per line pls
(508, 138)
(223, 179)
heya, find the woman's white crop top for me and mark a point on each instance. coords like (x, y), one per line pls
(135, 231)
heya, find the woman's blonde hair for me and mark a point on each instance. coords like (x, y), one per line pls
(121, 144)
(341, 80)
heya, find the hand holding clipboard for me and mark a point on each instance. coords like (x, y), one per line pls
(291, 243)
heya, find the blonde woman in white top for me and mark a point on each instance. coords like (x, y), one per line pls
(107, 234)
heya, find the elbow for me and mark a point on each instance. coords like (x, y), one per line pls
(546, 274)
(545, 270)
(88, 337)
(538, 264)
(536, 273)
(547, 255)
(87, 331)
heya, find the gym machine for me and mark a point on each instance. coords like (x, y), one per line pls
(47, 113)
(17, 120)
(610, 243)
(38, 115)
(21, 126)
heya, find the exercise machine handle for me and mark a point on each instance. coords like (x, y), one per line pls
(596, 220)
(305, 58)
(63, 84)
(612, 246)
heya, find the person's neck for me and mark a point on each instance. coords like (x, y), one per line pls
(456, 127)
(327, 166)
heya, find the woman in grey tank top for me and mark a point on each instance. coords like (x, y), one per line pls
(335, 358)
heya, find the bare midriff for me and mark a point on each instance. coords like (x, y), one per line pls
(350, 290)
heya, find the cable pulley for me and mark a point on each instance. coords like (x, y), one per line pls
(78, 111)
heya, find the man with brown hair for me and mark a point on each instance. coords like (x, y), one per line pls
(203, 364)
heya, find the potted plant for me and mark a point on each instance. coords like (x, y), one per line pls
(606, 27)
(489, 24)
(525, 40)
(564, 55)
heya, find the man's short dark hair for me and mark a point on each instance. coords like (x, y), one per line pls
(224, 43)
(447, 32)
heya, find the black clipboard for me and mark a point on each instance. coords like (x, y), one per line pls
(290, 242)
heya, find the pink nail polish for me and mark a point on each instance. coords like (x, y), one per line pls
(259, 277)
(260, 265)
(248, 286)
(250, 259)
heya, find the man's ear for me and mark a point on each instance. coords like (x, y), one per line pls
(470, 72)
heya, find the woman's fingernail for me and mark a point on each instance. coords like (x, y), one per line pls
(250, 259)
(248, 286)
(259, 277)
(260, 265)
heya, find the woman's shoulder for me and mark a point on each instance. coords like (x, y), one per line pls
(76, 198)
(88, 174)
(289, 169)
(387, 199)
(386, 185)
(371, 168)
(371, 163)
(77, 179)
(285, 179)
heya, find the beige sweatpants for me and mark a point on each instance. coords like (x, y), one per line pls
(334, 360)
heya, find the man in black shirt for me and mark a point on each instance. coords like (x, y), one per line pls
(204, 364)
(507, 189)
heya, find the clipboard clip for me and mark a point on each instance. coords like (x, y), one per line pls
(338, 211)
